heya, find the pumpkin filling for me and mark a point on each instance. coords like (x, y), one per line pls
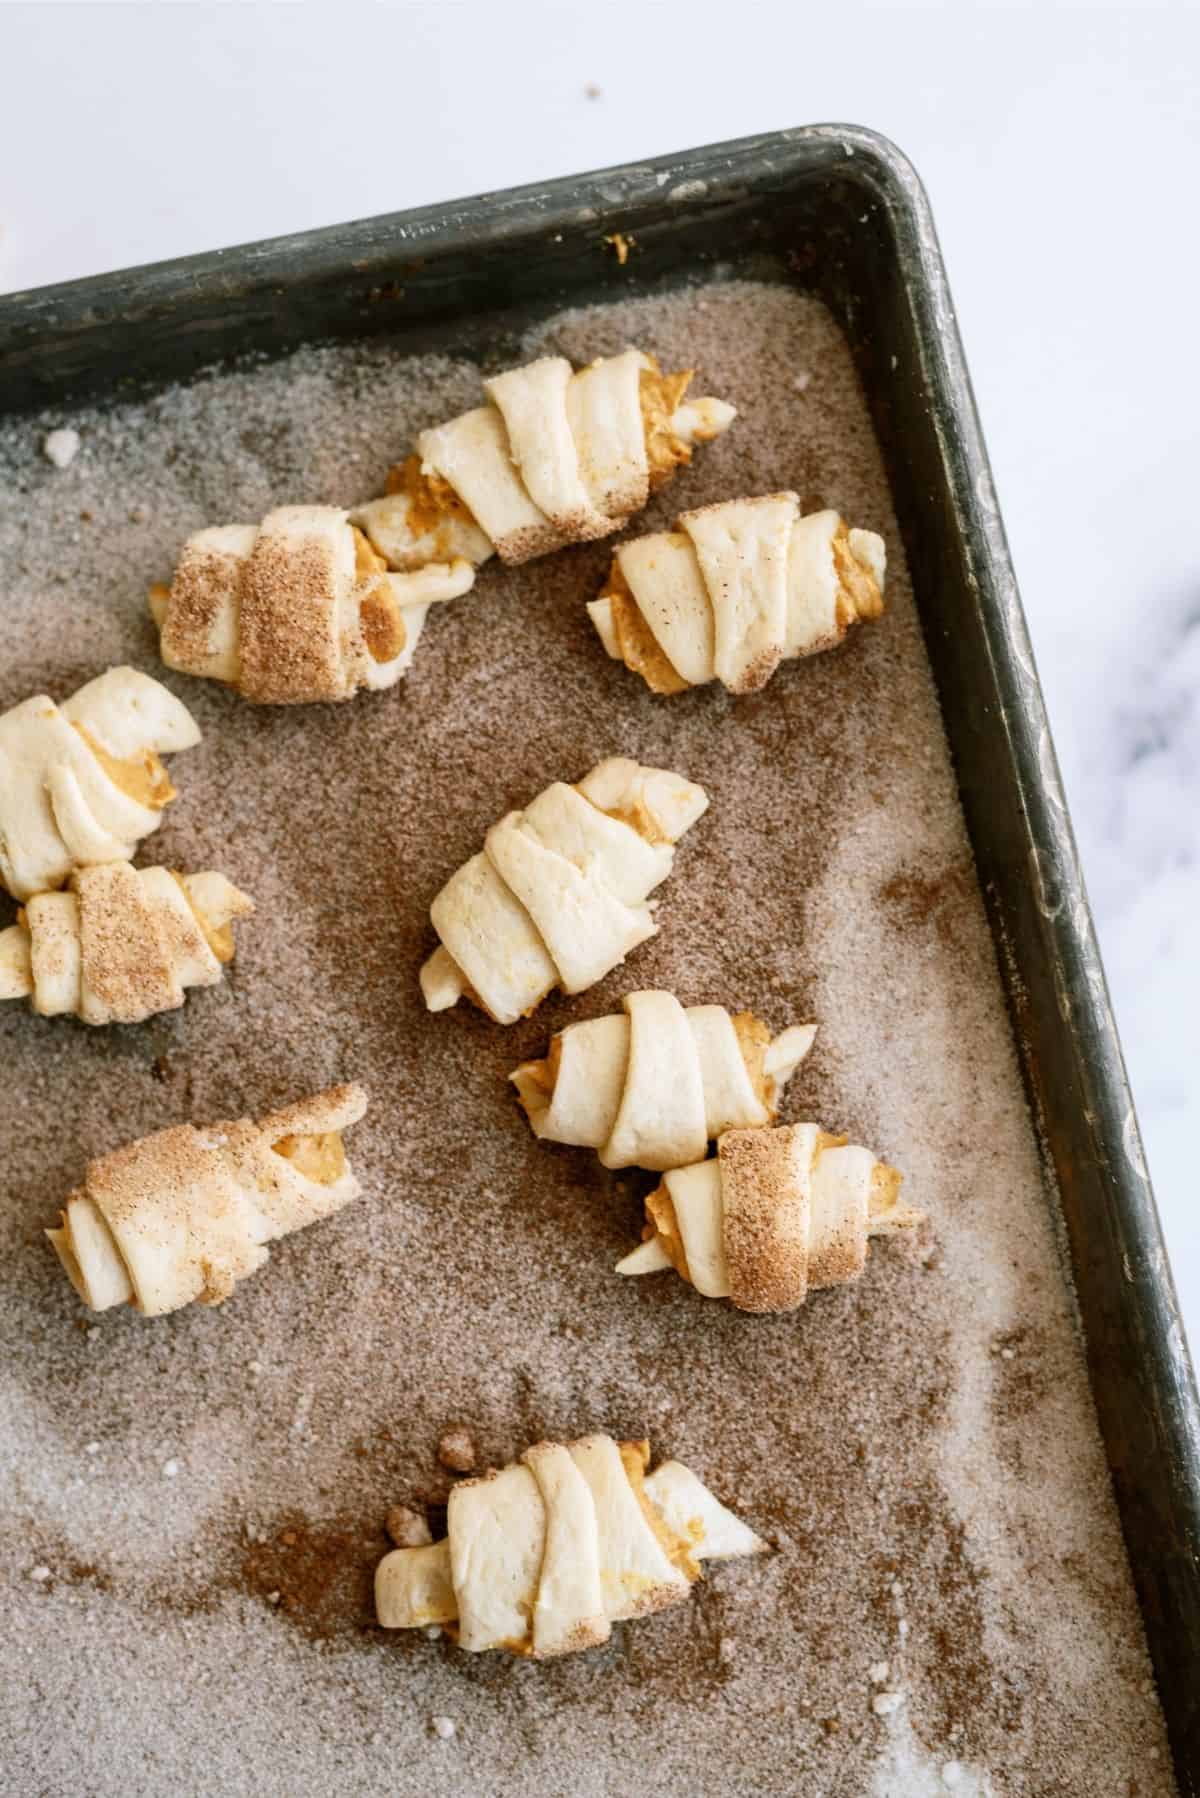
(383, 626)
(431, 498)
(635, 1458)
(664, 1224)
(754, 1039)
(639, 648)
(319, 1157)
(638, 817)
(661, 396)
(381, 618)
(858, 591)
(142, 777)
(219, 937)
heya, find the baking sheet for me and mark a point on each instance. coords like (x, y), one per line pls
(921, 1450)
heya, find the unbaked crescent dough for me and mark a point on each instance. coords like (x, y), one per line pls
(543, 1556)
(773, 1216)
(734, 590)
(121, 944)
(297, 609)
(560, 893)
(555, 456)
(185, 1214)
(654, 1085)
(83, 782)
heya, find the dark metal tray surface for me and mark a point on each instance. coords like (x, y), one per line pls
(473, 273)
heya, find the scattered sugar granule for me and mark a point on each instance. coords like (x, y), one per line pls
(728, 1648)
(884, 1703)
(800, 382)
(1008, 1354)
(407, 1528)
(255, 1367)
(274, 1597)
(170, 1469)
(445, 1727)
(39, 1574)
(432, 1632)
(456, 1450)
(91, 1448)
(897, 1589)
(61, 447)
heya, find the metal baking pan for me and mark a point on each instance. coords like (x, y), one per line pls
(839, 211)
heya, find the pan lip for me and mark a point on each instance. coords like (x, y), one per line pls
(705, 174)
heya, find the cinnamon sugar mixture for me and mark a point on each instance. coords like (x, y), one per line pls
(193, 1505)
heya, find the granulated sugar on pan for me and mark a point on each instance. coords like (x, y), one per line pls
(193, 1506)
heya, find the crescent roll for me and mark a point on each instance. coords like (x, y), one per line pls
(773, 1216)
(121, 944)
(543, 1556)
(559, 895)
(734, 590)
(83, 782)
(553, 457)
(299, 608)
(653, 1085)
(187, 1213)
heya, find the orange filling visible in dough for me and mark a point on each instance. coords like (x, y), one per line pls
(381, 618)
(383, 625)
(858, 593)
(543, 1074)
(637, 816)
(65, 1246)
(660, 397)
(639, 648)
(661, 1212)
(522, 1645)
(754, 1039)
(431, 499)
(320, 1158)
(884, 1197)
(158, 599)
(219, 937)
(142, 777)
(367, 560)
(635, 1458)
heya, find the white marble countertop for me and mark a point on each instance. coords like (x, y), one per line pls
(1060, 148)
